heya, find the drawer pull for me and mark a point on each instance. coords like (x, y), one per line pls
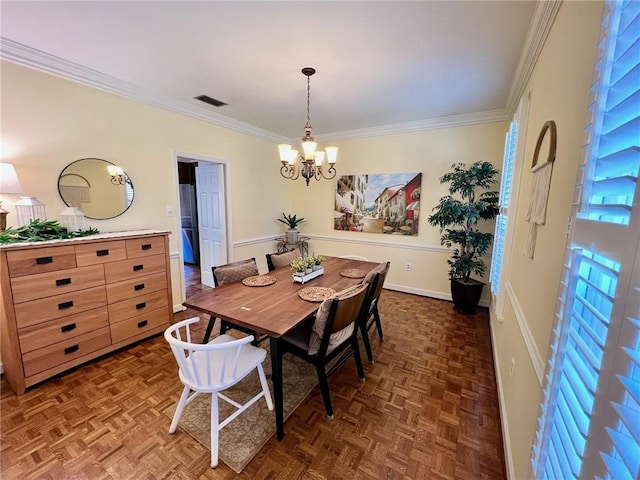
(102, 253)
(44, 260)
(62, 281)
(68, 328)
(143, 323)
(71, 349)
(141, 305)
(146, 246)
(63, 305)
(140, 286)
(137, 268)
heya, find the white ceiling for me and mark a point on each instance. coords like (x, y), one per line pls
(378, 63)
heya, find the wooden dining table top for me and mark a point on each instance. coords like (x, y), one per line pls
(277, 308)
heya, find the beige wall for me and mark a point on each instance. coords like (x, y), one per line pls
(560, 90)
(48, 122)
(430, 153)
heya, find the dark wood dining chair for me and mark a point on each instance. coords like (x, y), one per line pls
(231, 273)
(375, 278)
(277, 260)
(333, 334)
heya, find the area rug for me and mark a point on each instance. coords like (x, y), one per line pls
(245, 436)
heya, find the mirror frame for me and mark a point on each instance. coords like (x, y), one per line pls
(108, 163)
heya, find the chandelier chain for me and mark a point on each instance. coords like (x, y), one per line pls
(308, 125)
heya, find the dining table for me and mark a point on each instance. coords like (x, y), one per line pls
(274, 306)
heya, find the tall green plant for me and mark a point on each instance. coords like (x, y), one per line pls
(457, 217)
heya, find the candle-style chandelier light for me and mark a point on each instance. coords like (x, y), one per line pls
(310, 164)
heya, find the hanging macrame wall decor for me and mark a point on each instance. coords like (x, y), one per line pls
(540, 184)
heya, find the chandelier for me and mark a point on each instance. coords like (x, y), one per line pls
(310, 164)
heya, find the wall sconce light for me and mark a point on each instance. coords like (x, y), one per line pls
(117, 175)
(9, 184)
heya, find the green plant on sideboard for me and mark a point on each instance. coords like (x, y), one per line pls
(40, 231)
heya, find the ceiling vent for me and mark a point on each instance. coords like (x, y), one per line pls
(210, 101)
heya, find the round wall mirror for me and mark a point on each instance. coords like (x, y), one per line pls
(97, 187)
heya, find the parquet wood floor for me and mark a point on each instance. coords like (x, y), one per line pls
(428, 410)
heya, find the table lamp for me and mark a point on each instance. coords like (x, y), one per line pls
(9, 184)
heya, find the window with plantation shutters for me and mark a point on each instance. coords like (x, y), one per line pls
(505, 195)
(589, 425)
(510, 176)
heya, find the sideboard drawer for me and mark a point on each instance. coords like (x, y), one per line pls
(48, 357)
(117, 292)
(139, 324)
(40, 260)
(144, 247)
(116, 272)
(137, 306)
(41, 285)
(101, 252)
(60, 329)
(58, 306)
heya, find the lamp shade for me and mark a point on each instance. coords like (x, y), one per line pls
(9, 182)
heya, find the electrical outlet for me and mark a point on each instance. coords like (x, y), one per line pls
(170, 211)
(407, 267)
(512, 367)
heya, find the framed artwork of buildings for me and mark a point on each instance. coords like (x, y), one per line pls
(386, 203)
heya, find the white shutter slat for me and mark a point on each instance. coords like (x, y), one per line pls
(632, 387)
(625, 107)
(627, 448)
(634, 355)
(630, 419)
(616, 468)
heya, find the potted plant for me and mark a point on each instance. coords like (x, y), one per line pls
(457, 219)
(291, 221)
(299, 266)
(318, 259)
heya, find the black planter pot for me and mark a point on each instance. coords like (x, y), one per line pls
(466, 295)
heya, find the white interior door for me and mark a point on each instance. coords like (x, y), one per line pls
(211, 218)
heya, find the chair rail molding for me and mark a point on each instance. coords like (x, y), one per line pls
(536, 358)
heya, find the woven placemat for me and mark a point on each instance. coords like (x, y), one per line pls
(353, 273)
(259, 281)
(316, 294)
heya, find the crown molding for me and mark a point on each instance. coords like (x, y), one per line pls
(38, 60)
(543, 18)
(418, 126)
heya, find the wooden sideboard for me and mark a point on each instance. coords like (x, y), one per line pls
(66, 302)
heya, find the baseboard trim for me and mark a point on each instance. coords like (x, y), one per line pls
(428, 293)
(504, 423)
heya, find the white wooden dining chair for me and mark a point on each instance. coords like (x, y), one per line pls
(211, 368)
(355, 257)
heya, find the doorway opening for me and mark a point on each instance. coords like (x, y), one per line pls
(201, 186)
